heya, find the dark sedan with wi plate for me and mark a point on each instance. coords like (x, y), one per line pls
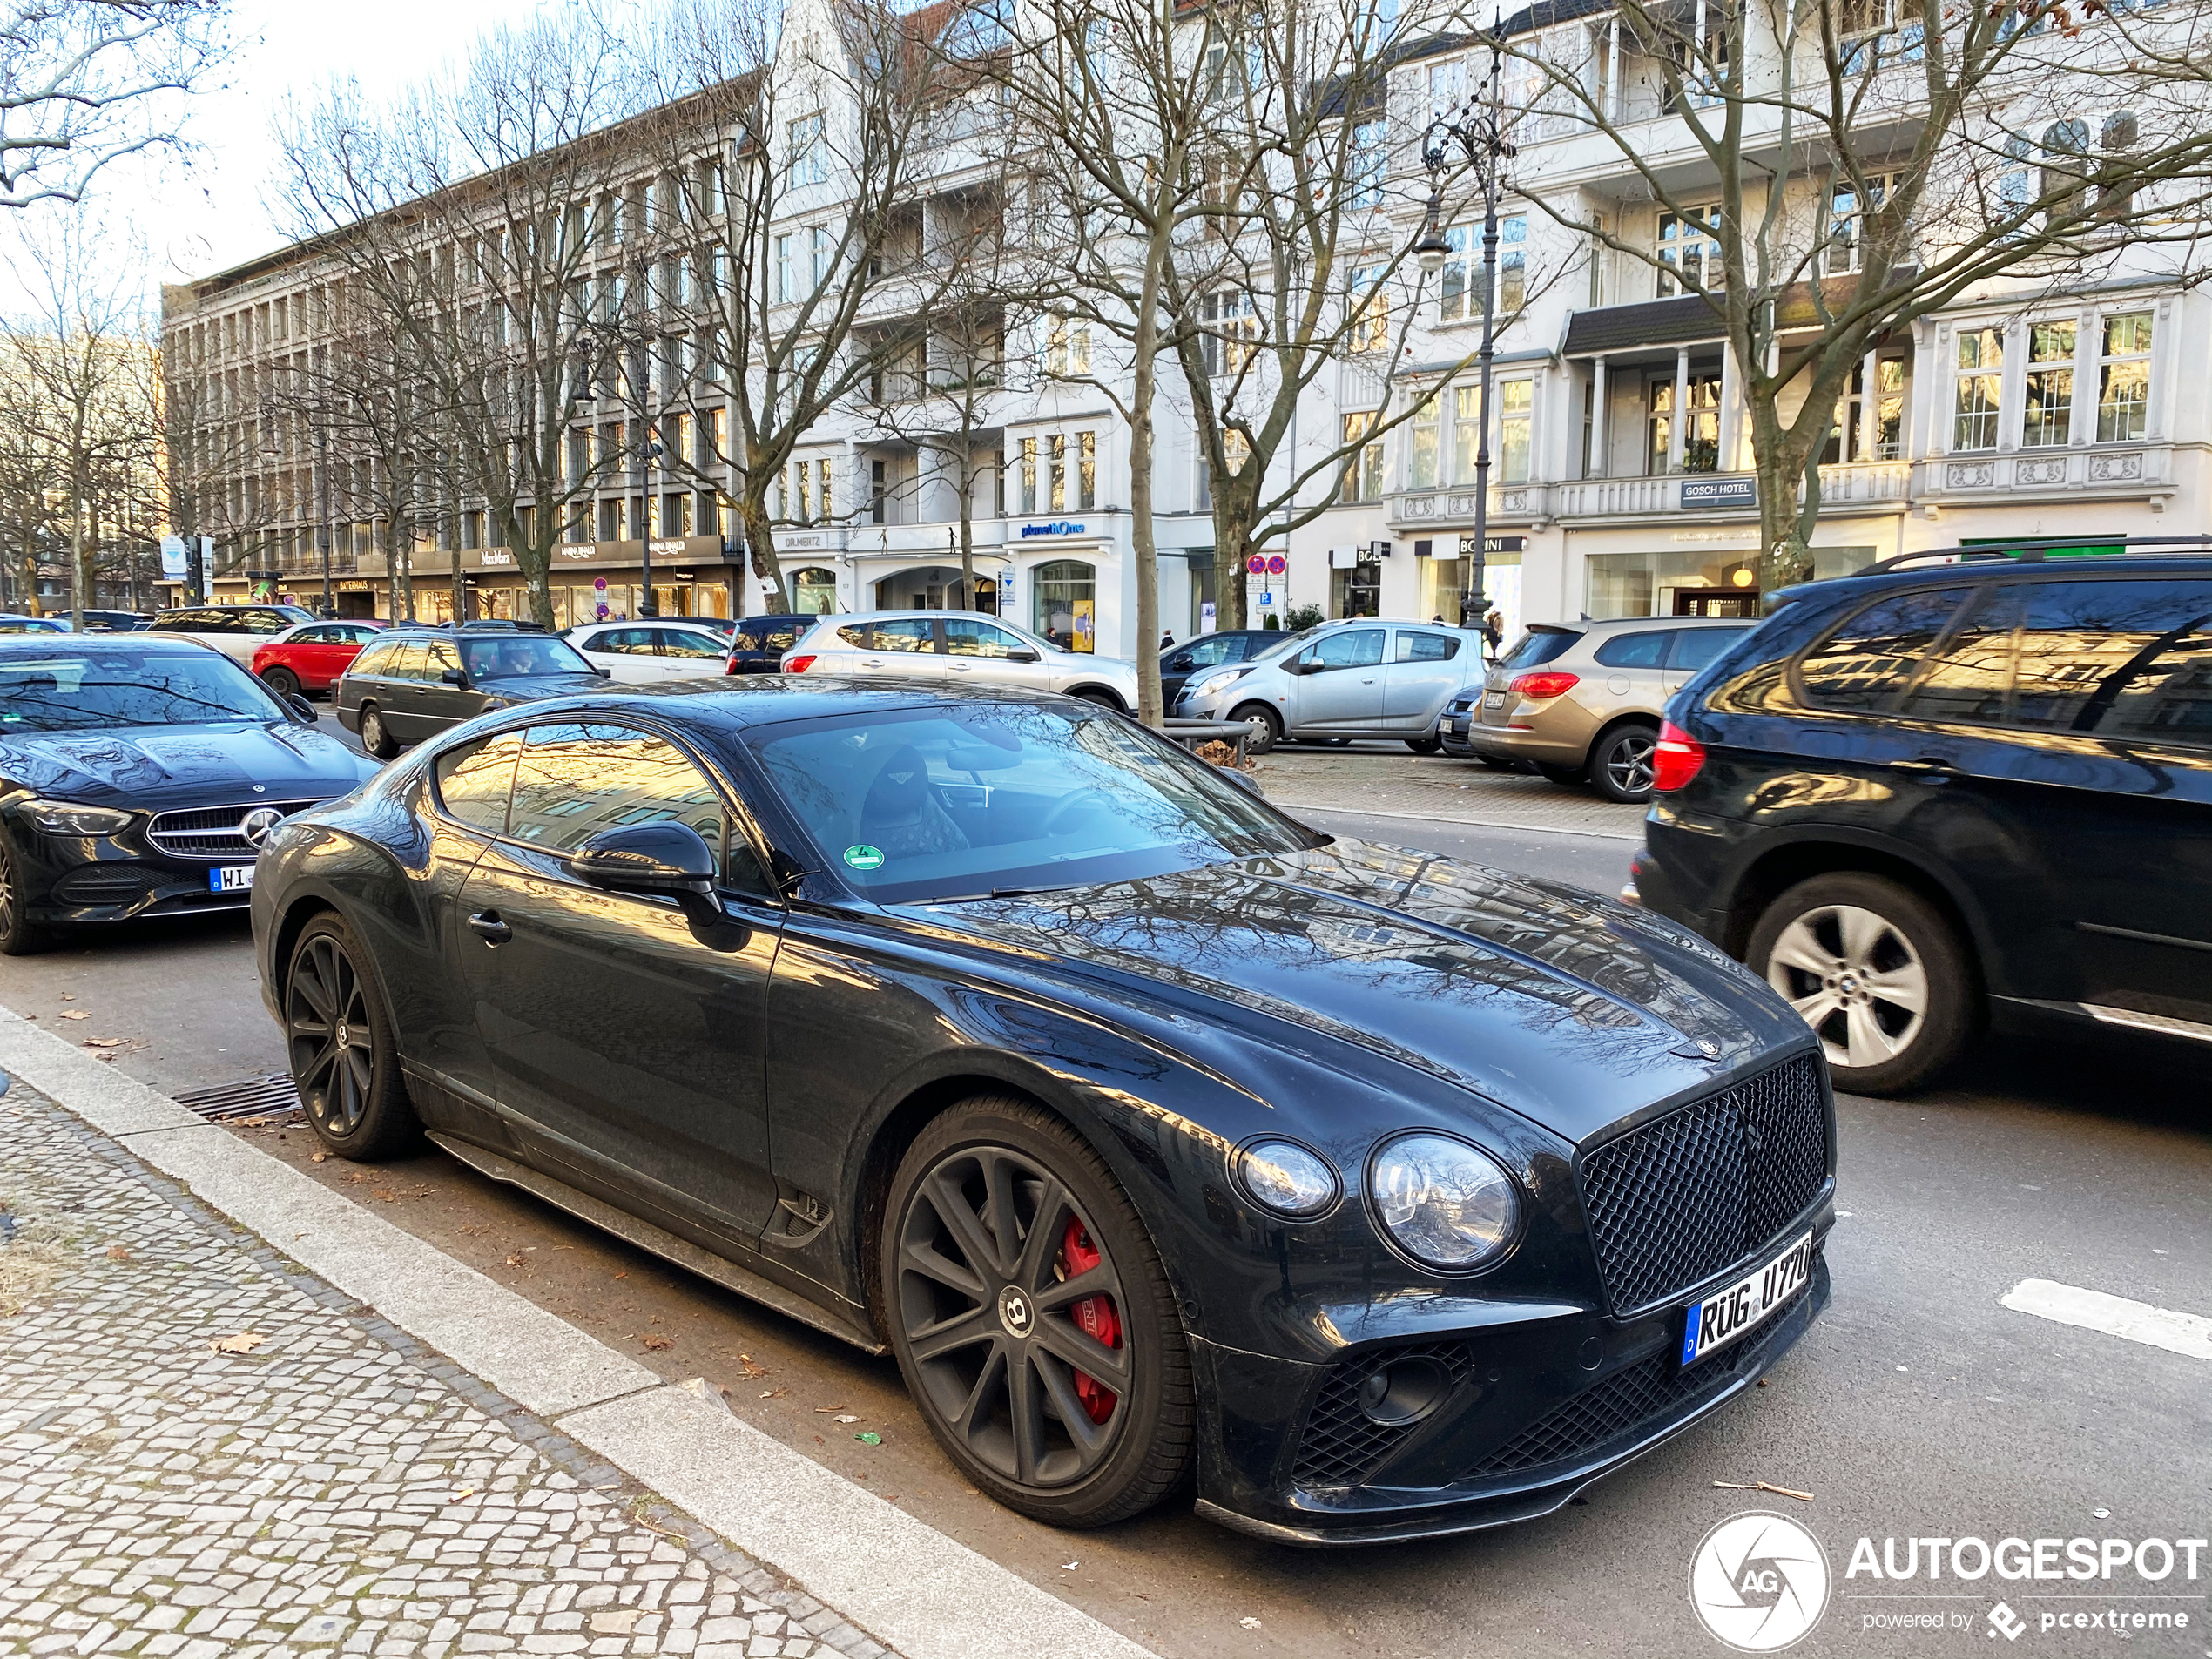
(138, 776)
(1159, 1137)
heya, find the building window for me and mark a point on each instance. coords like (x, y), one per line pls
(1848, 207)
(1981, 391)
(1846, 440)
(1230, 323)
(879, 491)
(1026, 474)
(808, 147)
(1420, 459)
(1363, 473)
(786, 274)
(1086, 471)
(1357, 592)
(1369, 302)
(814, 591)
(1055, 474)
(1460, 293)
(1516, 414)
(1701, 438)
(1466, 431)
(820, 251)
(2123, 378)
(802, 487)
(822, 487)
(1067, 348)
(1063, 599)
(1870, 33)
(2047, 413)
(1690, 252)
(1369, 162)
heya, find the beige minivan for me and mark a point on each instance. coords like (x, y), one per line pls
(1582, 700)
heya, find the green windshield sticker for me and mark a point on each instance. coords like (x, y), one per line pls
(864, 857)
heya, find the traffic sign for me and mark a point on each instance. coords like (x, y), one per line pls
(1277, 564)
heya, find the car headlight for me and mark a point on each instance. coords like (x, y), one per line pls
(1445, 1202)
(1284, 1178)
(68, 818)
(1215, 681)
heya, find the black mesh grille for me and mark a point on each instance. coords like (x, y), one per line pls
(103, 884)
(1341, 1444)
(1627, 1400)
(1676, 1201)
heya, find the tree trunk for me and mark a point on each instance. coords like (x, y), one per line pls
(1145, 546)
(1786, 518)
(1231, 545)
(760, 548)
(80, 559)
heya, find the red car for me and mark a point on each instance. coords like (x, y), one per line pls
(310, 656)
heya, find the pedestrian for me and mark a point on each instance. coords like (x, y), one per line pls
(1493, 629)
(1438, 618)
(1167, 639)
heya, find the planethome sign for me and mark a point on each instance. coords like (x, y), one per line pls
(1057, 527)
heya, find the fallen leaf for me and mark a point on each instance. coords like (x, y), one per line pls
(107, 1058)
(657, 1343)
(748, 1370)
(773, 1393)
(106, 1042)
(380, 1193)
(623, 1274)
(847, 1417)
(1249, 1624)
(827, 1410)
(465, 1492)
(516, 1261)
(1763, 1486)
(320, 1157)
(1069, 1567)
(244, 1342)
(117, 1253)
(69, 996)
(75, 1013)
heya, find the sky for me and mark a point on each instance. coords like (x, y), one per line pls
(204, 212)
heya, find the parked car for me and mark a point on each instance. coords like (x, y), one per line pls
(1581, 701)
(1363, 678)
(113, 621)
(959, 645)
(410, 684)
(311, 656)
(1934, 795)
(236, 630)
(1179, 665)
(758, 643)
(138, 778)
(1158, 1136)
(22, 625)
(634, 652)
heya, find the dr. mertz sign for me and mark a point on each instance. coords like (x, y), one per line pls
(1720, 492)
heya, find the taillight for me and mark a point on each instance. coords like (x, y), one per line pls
(1552, 683)
(797, 664)
(1676, 758)
(731, 666)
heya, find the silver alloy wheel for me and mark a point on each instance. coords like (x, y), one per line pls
(1856, 980)
(1628, 763)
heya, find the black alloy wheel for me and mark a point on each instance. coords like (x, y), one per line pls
(19, 936)
(1428, 746)
(374, 739)
(1621, 765)
(338, 1041)
(1032, 1318)
(281, 680)
(1266, 727)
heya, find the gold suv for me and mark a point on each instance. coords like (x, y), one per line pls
(1581, 700)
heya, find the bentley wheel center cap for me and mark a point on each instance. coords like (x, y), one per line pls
(1015, 1312)
(342, 1038)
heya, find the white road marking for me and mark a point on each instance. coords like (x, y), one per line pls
(2183, 1334)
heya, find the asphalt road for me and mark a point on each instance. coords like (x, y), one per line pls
(1919, 1407)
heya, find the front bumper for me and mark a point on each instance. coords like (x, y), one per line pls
(1537, 1412)
(118, 883)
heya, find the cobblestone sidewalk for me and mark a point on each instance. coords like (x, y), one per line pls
(331, 1488)
(1465, 791)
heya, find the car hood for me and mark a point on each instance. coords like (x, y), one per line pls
(139, 767)
(1568, 1009)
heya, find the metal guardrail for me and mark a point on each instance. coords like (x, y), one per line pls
(1194, 735)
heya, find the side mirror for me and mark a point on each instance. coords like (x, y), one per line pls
(670, 858)
(303, 711)
(1303, 666)
(605, 673)
(1021, 654)
(455, 676)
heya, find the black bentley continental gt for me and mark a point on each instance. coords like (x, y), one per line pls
(138, 776)
(1155, 1133)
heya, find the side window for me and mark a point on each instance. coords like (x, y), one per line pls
(1206, 653)
(1862, 666)
(473, 780)
(441, 656)
(904, 636)
(1354, 648)
(855, 633)
(407, 662)
(267, 622)
(218, 621)
(967, 638)
(682, 642)
(1645, 649)
(574, 780)
(371, 660)
(1695, 647)
(1426, 647)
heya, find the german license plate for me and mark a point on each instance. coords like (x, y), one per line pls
(1494, 699)
(230, 878)
(1721, 1318)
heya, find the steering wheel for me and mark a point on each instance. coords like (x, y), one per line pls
(1084, 799)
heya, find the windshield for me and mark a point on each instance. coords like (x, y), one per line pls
(513, 656)
(959, 803)
(52, 693)
(1280, 645)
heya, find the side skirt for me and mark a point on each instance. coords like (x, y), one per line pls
(660, 1242)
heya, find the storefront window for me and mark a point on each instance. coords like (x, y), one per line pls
(1447, 589)
(1693, 584)
(814, 591)
(1357, 592)
(1065, 603)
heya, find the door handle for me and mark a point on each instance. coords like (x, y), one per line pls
(487, 926)
(1927, 769)
(871, 662)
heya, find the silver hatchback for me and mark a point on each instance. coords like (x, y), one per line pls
(958, 645)
(1362, 678)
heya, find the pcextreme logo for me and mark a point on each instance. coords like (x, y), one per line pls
(1758, 1581)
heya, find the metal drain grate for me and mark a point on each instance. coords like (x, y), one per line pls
(268, 1096)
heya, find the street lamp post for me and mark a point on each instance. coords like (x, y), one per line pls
(1479, 134)
(648, 477)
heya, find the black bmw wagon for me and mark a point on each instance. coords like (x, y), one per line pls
(1155, 1133)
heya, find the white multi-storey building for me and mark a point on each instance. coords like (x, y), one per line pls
(1621, 485)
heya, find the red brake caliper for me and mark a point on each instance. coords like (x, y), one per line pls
(1095, 1314)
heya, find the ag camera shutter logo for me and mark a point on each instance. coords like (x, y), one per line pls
(1759, 1583)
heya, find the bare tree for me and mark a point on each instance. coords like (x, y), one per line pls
(1828, 172)
(85, 83)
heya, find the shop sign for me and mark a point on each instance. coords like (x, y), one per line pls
(497, 556)
(1057, 527)
(577, 550)
(1720, 492)
(1494, 544)
(672, 547)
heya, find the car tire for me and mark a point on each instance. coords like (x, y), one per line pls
(1266, 727)
(374, 738)
(1620, 765)
(1425, 745)
(19, 936)
(1103, 699)
(282, 681)
(1012, 1354)
(338, 1040)
(1499, 763)
(1852, 953)
(1565, 777)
